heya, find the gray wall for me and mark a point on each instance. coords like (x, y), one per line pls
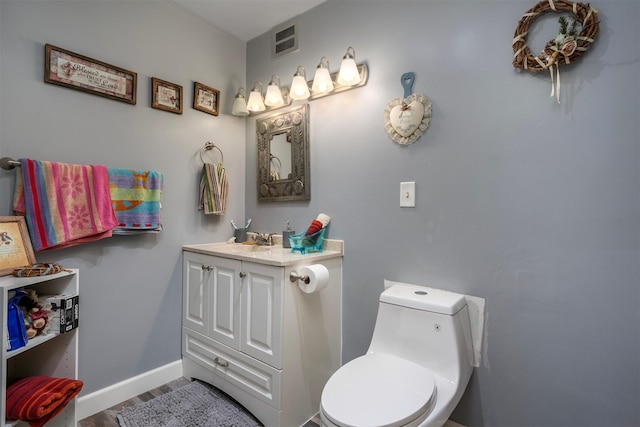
(130, 286)
(530, 204)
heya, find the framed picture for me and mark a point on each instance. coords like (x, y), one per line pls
(206, 99)
(166, 96)
(68, 69)
(15, 244)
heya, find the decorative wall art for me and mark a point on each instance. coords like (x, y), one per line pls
(68, 69)
(166, 96)
(15, 245)
(206, 99)
(572, 41)
(406, 119)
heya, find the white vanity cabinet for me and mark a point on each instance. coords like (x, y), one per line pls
(252, 333)
(54, 355)
(236, 303)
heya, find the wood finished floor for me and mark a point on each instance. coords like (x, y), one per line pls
(107, 418)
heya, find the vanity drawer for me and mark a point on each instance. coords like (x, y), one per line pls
(254, 377)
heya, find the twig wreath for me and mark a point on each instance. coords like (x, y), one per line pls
(567, 46)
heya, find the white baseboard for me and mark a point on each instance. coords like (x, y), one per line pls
(107, 397)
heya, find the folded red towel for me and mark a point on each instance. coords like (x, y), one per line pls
(38, 399)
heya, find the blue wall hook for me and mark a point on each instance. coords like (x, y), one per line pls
(407, 82)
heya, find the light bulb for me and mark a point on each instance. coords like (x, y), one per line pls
(255, 102)
(239, 104)
(273, 97)
(299, 87)
(322, 80)
(349, 74)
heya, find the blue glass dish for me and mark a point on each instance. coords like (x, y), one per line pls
(311, 243)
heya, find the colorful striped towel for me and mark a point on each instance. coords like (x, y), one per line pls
(137, 200)
(213, 189)
(64, 204)
(36, 400)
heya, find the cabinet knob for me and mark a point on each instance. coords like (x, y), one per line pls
(243, 274)
(206, 267)
(220, 362)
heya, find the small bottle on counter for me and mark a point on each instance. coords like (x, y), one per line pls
(285, 235)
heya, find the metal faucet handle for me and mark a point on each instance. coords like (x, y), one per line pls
(265, 239)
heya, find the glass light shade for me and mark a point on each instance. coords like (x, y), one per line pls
(239, 104)
(299, 87)
(322, 82)
(349, 74)
(255, 102)
(273, 97)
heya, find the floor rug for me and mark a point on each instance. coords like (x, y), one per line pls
(193, 405)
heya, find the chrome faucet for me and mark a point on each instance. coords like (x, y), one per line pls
(264, 239)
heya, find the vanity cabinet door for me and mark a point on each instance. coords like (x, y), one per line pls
(262, 296)
(225, 301)
(197, 272)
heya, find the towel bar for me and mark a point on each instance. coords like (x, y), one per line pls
(7, 163)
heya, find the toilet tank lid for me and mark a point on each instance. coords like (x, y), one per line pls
(424, 298)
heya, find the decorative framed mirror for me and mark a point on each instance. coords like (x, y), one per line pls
(283, 156)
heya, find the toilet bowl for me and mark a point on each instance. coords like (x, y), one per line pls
(416, 368)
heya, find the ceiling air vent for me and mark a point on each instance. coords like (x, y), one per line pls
(284, 39)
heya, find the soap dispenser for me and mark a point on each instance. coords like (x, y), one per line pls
(285, 235)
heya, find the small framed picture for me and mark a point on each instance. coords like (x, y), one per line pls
(206, 99)
(166, 96)
(15, 244)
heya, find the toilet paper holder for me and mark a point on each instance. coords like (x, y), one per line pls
(294, 277)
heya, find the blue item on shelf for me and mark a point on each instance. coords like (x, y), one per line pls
(15, 322)
(311, 243)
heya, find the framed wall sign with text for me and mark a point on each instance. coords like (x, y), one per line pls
(166, 96)
(68, 69)
(206, 99)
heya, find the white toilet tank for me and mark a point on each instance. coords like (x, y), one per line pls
(427, 326)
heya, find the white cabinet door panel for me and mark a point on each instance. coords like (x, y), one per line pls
(226, 287)
(262, 313)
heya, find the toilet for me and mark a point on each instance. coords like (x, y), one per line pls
(416, 369)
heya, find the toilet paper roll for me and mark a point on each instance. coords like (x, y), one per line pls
(318, 278)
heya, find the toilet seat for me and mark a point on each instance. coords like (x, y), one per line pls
(379, 390)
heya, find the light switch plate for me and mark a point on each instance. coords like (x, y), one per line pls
(407, 194)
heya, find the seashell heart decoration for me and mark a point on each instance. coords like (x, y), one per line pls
(406, 119)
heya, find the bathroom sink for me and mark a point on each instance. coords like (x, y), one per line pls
(240, 248)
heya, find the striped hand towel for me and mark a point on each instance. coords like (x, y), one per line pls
(213, 189)
(64, 204)
(38, 399)
(137, 200)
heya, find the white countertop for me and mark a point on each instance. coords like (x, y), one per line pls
(270, 255)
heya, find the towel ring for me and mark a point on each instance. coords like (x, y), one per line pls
(275, 159)
(208, 147)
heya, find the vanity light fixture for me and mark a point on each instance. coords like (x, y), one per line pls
(299, 86)
(273, 97)
(349, 74)
(240, 104)
(322, 82)
(255, 103)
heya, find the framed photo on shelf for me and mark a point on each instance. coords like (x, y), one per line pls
(15, 245)
(206, 99)
(166, 96)
(74, 71)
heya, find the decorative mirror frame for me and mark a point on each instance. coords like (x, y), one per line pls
(298, 185)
